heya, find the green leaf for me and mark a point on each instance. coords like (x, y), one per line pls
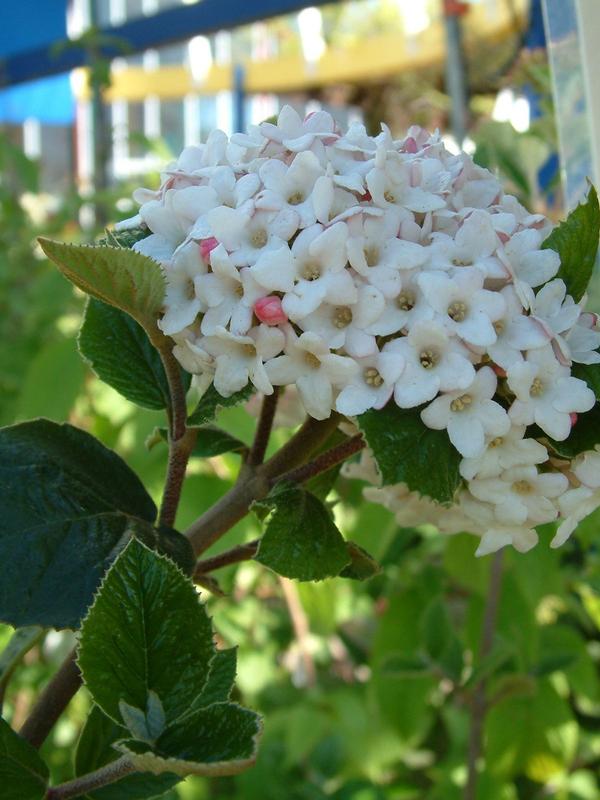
(301, 540)
(211, 441)
(21, 642)
(221, 678)
(554, 662)
(401, 666)
(95, 749)
(122, 278)
(23, 774)
(362, 566)
(69, 505)
(320, 485)
(576, 242)
(145, 632)
(408, 452)
(500, 654)
(219, 740)
(436, 630)
(145, 725)
(211, 401)
(125, 238)
(121, 354)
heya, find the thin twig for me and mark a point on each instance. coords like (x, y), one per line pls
(479, 705)
(93, 780)
(325, 461)
(243, 552)
(177, 407)
(301, 628)
(52, 702)
(263, 430)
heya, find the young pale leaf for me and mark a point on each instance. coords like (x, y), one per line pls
(23, 774)
(409, 452)
(219, 740)
(301, 540)
(95, 749)
(145, 632)
(145, 725)
(117, 276)
(576, 242)
(211, 441)
(362, 566)
(120, 353)
(211, 401)
(21, 642)
(69, 505)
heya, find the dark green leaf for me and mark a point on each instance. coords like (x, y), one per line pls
(408, 452)
(145, 632)
(22, 640)
(451, 659)
(122, 278)
(301, 540)
(211, 401)
(436, 630)
(576, 242)
(95, 749)
(500, 654)
(120, 353)
(400, 666)
(555, 662)
(362, 566)
(219, 740)
(221, 678)
(70, 504)
(23, 774)
(211, 441)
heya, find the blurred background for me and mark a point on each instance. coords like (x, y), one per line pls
(95, 97)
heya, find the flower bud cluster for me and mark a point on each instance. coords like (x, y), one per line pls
(365, 270)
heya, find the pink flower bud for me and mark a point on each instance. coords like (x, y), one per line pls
(504, 237)
(410, 145)
(366, 197)
(269, 310)
(574, 418)
(206, 246)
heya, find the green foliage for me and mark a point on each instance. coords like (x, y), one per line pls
(362, 566)
(23, 774)
(301, 540)
(211, 401)
(407, 451)
(22, 640)
(211, 441)
(120, 353)
(146, 632)
(70, 504)
(576, 242)
(122, 278)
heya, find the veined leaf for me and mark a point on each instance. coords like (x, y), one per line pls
(211, 401)
(23, 774)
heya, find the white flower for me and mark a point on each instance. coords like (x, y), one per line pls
(494, 535)
(228, 293)
(156, 247)
(182, 301)
(390, 185)
(578, 503)
(527, 262)
(344, 325)
(433, 363)
(373, 384)
(473, 245)
(403, 309)
(521, 494)
(316, 268)
(239, 358)
(469, 415)
(515, 332)
(583, 340)
(309, 364)
(463, 306)
(377, 254)
(546, 393)
(504, 452)
(296, 134)
(246, 237)
(291, 187)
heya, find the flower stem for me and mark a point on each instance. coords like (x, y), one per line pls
(52, 702)
(263, 430)
(243, 552)
(325, 461)
(479, 706)
(94, 780)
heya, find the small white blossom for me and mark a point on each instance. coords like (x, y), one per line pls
(240, 358)
(504, 452)
(373, 384)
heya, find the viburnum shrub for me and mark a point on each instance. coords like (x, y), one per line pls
(398, 303)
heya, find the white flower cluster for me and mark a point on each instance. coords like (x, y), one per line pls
(361, 268)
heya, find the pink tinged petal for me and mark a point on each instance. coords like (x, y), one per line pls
(269, 310)
(275, 270)
(316, 394)
(466, 434)
(207, 246)
(573, 394)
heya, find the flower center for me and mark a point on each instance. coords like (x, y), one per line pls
(239, 290)
(405, 301)
(312, 361)
(499, 326)
(496, 442)
(296, 198)
(429, 358)
(461, 403)
(190, 289)
(248, 350)
(459, 262)
(523, 487)
(537, 388)
(342, 316)
(457, 311)
(311, 271)
(372, 377)
(259, 238)
(372, 256)
(389, 196)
